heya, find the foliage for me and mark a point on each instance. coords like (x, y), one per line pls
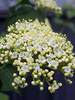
(3, 97)
(7, 77)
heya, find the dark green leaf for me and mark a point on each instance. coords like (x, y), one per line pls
(6, 77)
(3, 97)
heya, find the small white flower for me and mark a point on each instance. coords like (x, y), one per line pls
(59, 52)
(21, 54)
(52, 43)
(18, 43)
(29, 48)
(53, 63)
(28, 54)
(38, 47)
(73, 61)
(50, 56)
(26, 38)
(67, 69)
(7, 46)
(17, 80)
(42, 59)
(37, 68)
(14, 55)
(44, 46)
(25, 68)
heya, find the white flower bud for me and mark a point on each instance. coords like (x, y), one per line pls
(35, 76)
(41, 83)
(41, 88)
(33, 82)
(14, 74)
(13, 84)
(49, 88)
(26, 84)
(23, 79)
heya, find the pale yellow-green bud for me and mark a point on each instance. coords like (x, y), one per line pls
(33, 83)
(60, 84)
(14, 75)
(26, 84)
(23, 79)
(13, 84)
(41, 83)
(41, 88)
(35, 76)
(49, 88)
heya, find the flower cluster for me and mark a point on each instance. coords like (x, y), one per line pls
(35, 50)
(46, 5)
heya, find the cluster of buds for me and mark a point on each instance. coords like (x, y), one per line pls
(34, 49)
(46, 5)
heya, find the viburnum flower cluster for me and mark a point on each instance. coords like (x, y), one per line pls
(46, 5)
(34, 49)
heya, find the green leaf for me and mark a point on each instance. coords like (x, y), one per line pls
(3, 97)
(6, 77)
(25, 12)
(24, 1)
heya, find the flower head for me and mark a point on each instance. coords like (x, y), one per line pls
(33, 48)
